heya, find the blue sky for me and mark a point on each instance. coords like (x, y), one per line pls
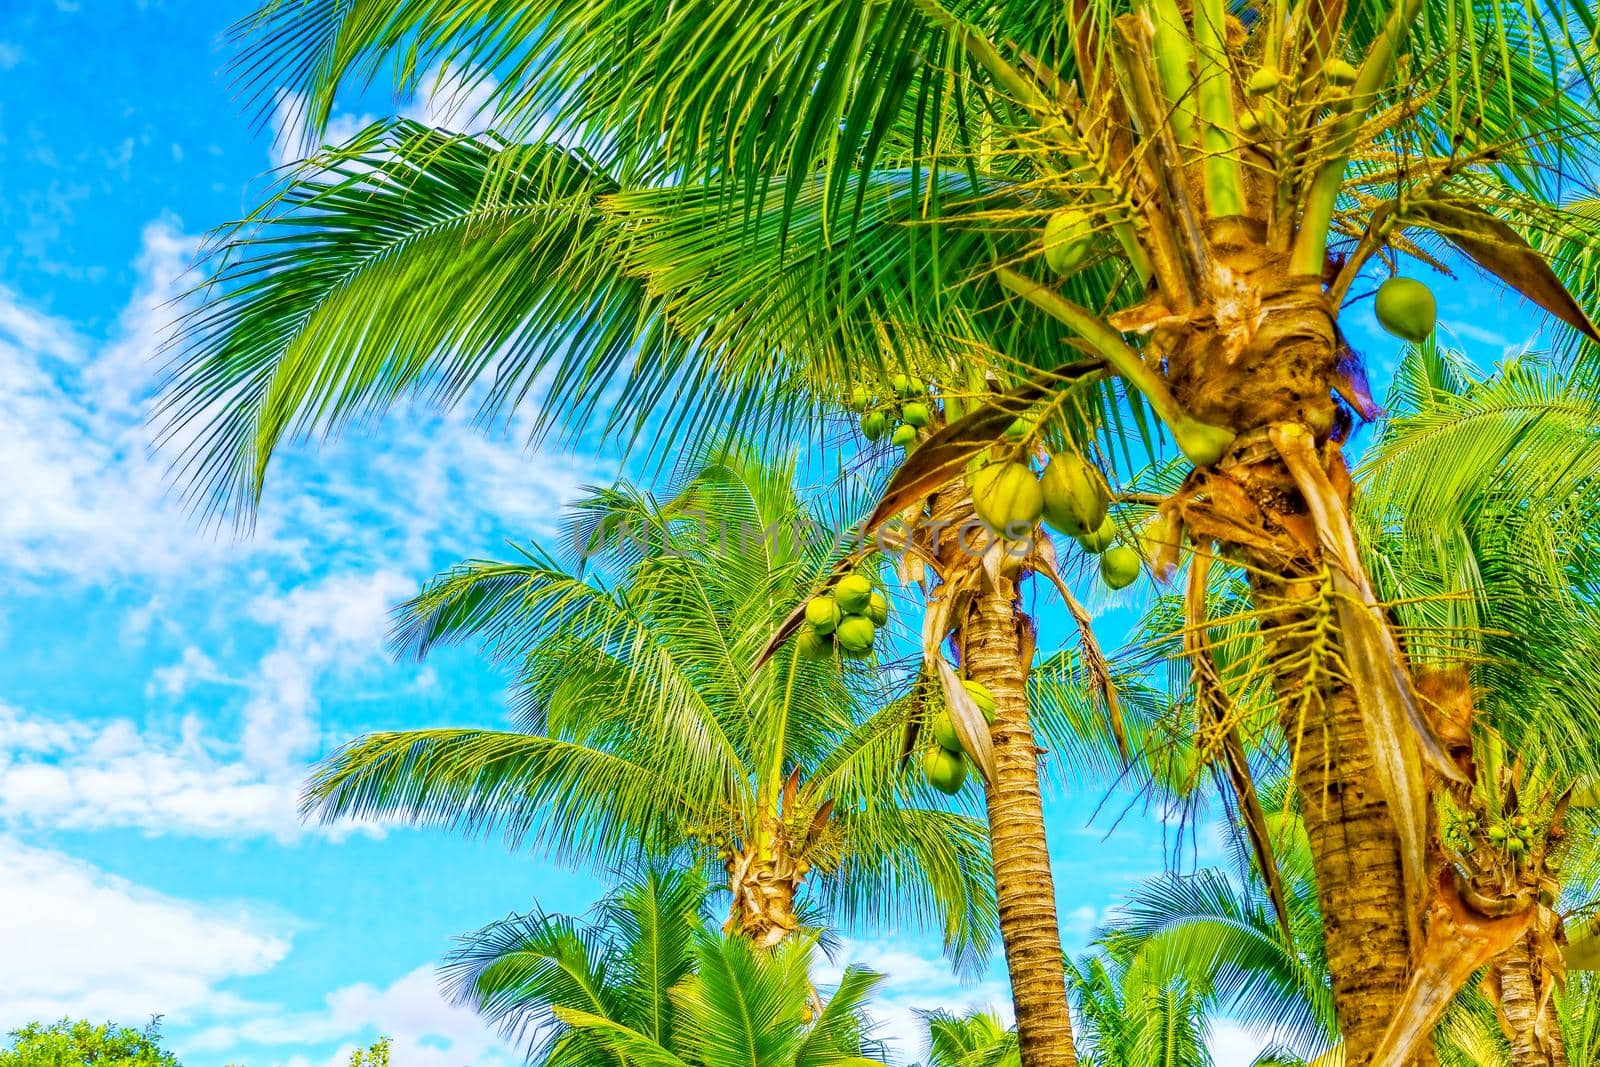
(163, 689)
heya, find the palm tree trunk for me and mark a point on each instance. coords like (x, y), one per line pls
(993, 656)
(763, 880)
(1354, 845)
(1527, 1009)
(1282, 368)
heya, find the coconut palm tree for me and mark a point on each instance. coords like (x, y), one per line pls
(645, 729)
(645, 982)
(976, 1039)
(1151, 217)
(1478, 520)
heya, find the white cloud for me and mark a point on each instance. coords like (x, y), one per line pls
(426, 1030)
(915, 979)
(333, 625)
(1231, 1043)
(81, 942)
(72, 774)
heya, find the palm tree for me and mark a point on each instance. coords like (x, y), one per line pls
(976, 1039)
(1478, 520)
(646, 729)
(739, 210)
(646, 983)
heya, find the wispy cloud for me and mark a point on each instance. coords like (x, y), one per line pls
(916, 979)
(426, 1030)
(82, 942)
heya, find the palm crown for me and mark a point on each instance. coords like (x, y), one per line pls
(645, 982)
(646, 727)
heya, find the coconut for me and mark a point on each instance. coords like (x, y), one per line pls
(1007, 497)
(1249, 124)
(905, 436)
(1068, 239)
(1017, 430)
(1202, 444)
(852, 593)
(982, 697)
(1263, 81)
(946, 771)
(878, 608)
(812, 644)
(860, 399)
(823, 613)
(855, 634)
(874, 424)
(916, 414)
(1100, 538)
(944, 732)
(1074, 494)
(1120, 566)
(904, 385)
(1338, 72)
(1405, 307)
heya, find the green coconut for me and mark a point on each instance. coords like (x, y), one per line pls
(874, 424)
(1338, 72)
(905, 436)
(1406, 308)
(823, 613)
(1201, 443)
(852, 593)
(916, 414)
(1074, 494)
(1100, 538)
(878, 608)
(855, 634)
(1249, 123)
(944, 732)
(1007, 497)
(812, 644)
(946, 771)
(982, 697)
(1017, 430)
(904, 385)
(1263, 81)
(1119, 566)
(1068, 240)
(860, 399)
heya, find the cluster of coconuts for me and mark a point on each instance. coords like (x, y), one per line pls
(945, 763)
(901, 416)
(1337, 73)
(1513, 837)
(1070, 496)
(845, 618)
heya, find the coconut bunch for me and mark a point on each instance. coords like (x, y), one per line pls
(1070, 496)
(902, 415)
(945, 763)
(845, 618)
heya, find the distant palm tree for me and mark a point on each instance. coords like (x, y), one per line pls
(646, 983)
(646, 729)
(976, 1039)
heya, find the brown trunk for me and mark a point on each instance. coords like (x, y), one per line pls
(1264, 352)
(763, 880)
(1527, 1009)
(1354, 846)
(992, 650)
